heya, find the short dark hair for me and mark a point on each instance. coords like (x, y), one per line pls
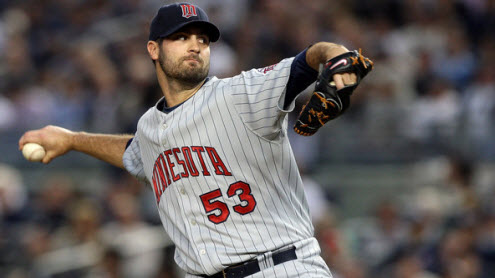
(160, 40)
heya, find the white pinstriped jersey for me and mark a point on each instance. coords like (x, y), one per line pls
(222, 169)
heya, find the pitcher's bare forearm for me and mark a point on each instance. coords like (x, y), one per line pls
(58, 141)
(322, 51)
(109, 148)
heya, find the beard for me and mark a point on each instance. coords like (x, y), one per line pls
(182, 72)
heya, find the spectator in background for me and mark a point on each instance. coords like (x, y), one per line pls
(13, 196)
(479, 110)
(13, 215)
(35, 242)
(456, 255)
(456, 63)
(54, 196)
(135, 240)
(82, 225)
(434, 115)
(7, 112)
(448, 193)
(485, 242)
(410, 266)
(374, 240)
(74, 247)
(110, 266)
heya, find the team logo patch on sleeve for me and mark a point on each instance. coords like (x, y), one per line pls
(266, 69)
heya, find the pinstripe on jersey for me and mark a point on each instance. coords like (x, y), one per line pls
(246, 196)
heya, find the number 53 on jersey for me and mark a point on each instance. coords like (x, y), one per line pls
(218, 211)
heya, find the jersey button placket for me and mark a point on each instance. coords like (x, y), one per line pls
(164, 127)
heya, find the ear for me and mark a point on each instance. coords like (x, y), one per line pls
(153, 50)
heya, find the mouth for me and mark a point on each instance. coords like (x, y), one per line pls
(192, 59)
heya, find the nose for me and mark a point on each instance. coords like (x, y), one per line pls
(194, 44)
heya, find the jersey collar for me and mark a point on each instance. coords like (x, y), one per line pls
(161, 105)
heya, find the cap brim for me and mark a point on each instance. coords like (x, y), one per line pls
(211, 30)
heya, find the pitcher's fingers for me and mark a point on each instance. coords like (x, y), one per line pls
(339, 83)
(25, 138)
(49, 156)
(32, 136)
(349, 79)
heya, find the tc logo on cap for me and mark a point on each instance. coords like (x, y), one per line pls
(188, 10)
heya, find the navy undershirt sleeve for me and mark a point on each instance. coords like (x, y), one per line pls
(301, 76)
(128, 143)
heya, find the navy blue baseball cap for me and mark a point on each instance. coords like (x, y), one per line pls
(170, 18)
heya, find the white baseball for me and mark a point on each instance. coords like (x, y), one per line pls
(33, 152)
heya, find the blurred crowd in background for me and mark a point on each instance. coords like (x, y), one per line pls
(430, 103)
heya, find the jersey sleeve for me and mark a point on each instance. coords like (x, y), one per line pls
(264, 96)
(301, 77)
(259, 96)
(132, 159)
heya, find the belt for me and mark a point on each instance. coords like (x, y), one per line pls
(252, 266)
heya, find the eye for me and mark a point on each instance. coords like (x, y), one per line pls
(203, 40)
(178, 37)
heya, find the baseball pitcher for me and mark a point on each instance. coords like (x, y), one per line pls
(216, 154)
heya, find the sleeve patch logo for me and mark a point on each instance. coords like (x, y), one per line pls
(266, 69)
